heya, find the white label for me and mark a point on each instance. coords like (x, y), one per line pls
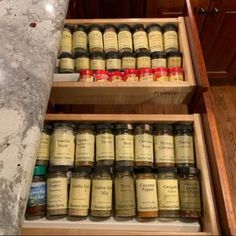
(110, 40)
(95, 39)
(125, 40)
(159, 62)
(80, 40)
(155, 41)
(143, 62)
(124, 147)
(82, 63)
(170, 40)
(140, 40)
(44, 147)
(96, 64)
(113, 64)
(105, 147)
(66, 42)
(128, 62)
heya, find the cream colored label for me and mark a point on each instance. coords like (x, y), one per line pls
(125, 40)
(66, 42)
(176, 78)
(189, 191)
(159, 62)
(101, 195)
(79, 194)
(128, 62)
(113, 64)
(80, 40)
(143, 62)
(57, 193)
(66, 63)
(132, 78)
(146, 77)
(95, 39)
(164, 149)
(168, 194)
(170, 40)
(84, 147)
(174, 62)
(124, 147)
(105, 147)
(82, 63)
(140, 40)
(44, 147)
(143, 148)
(184, 152)
(162, 78)
(110, 40)
(146, 193)
(96, 64)
(155, 41)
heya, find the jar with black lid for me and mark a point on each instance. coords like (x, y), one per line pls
(155, 38)
(124, 145)
(97, 61)
(128, 60)
(105, 153)
(125, 42)
(82, 61)
(174, 59)
(139, 37)
(110, 38)
(170, 36)
(66, 63)
(113, 61)
(189, 192)
(66, 40)
(80, 41)
(159, 59)
(95, 38)
(143, 59)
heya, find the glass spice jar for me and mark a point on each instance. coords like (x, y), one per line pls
(101, 195)
(86, 76)
(155, 38)
(110, 38)
(66, 63)
(159, 59)
(125, 206)
(143, 145)
(143, 59)
(62, 144)
(79, 39)
(124, 141)
(131, 75)
(170, 36)
(85, 145)
(146, 75)
(79, 197)
(174, 59)
(95, 38)
(128, 60)
(113, 61)
(125, 42)
(139, 37)
(82, 61)
(105, 153)
(164, 145)
(176, 74)
(146, 193)
(66, 40)
(97, 61)
(36, 206)
(168, 192)
(160, 74)
(101, 76)
(189, 192)
(116, 76)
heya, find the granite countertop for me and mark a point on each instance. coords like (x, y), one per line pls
(29, 41)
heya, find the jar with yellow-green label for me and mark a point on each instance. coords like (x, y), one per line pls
(139, 38)
(125, 41)
(170, 36)
(110, 38)
(159, 59)
(155, 38)
(95, 38)
(174, 59)
(143, 59)
(82, 61)
(66, 40)
(66, 63)
(128, 60)
(79, 39)
(113, 61)
(97, 61)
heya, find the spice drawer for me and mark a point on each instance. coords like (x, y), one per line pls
(209, 222)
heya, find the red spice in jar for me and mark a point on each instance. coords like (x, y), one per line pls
(160, 74)
(146, 74)
(176, 74)
(86, 76)
(116, 76)
(131, 75)
(101, 76)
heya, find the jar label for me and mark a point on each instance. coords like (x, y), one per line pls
(82, 63)
(143, 148)
(176, 77)
(66, 42)
(161, 77)
(79, 194)
(124, 193)
(37, 195)
(125, 40)
(124, 147)
(131, 78)
(155, 41)
(57, 193)
(113, 64)
(170, 40)
(184, 149)
(110, 40)
(44, 147)
(105, 147)
(146, 193)
(79, 40)
(84, 147)
(97, 64)
(143, 62)
(168, 194)
(159, 62)
(128, 62)
(95, 39)
(146, 77)
(140, 40)
(164, 149)
(101, 195)
(174, 62)
(189, 191)
(66, 64)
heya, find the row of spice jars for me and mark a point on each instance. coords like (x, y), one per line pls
(121, 144)
(147, 193)
(108, 38)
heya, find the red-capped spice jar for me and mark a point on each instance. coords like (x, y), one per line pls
(160, 74)
(101, 76)
(146, 75)
(116, 76)
(131, 75)
(86, 76)
(176, 74)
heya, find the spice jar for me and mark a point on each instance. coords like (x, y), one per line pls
(139, 37)
(189, 192)
(85, 143)
(86, 76)
(105, 153)
(42, 157)
(128, 60)
(66, 63)
(82, 61)
(170, 36)
(184, 150)
(160, 74)
(176, 74)
(146, 75)
(125, 42)
(101, 199)
(36, 206)
(143, 59)
(116, 76)
(164, 145)
(62, 144)
(113, 61)
(125, 206)
(124, 145)
(95, 38)
(143, 145)
(159, 59)
(110, 38)
(66, 40)
(168, 192)
(79, 37)
(174, 59)
(57, 193)
(146, 193)
(79, 199)
(155, 37)
(131, 75)
(101, 76)
(97, 61)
